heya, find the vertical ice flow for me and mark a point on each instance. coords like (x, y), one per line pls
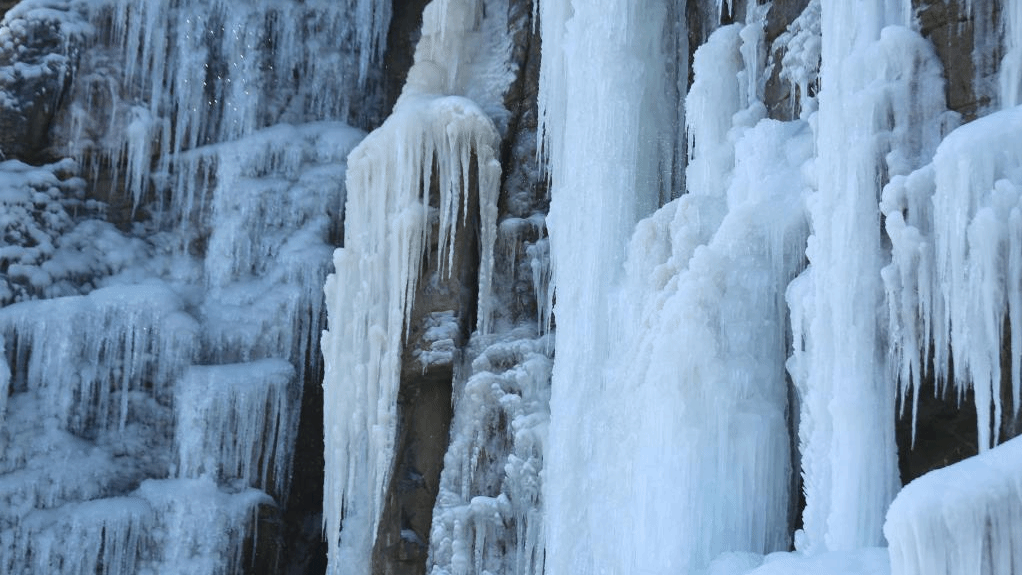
(389, 217)
(879, 105)
(602, 65)
(692, 304)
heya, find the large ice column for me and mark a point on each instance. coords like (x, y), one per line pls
(601, 84)
(965, 518)
(431, 139)
(880, 103)
(956, 269)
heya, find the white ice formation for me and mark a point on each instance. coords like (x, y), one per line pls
(964, 518)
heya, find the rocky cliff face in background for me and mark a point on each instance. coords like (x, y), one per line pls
(38, 62)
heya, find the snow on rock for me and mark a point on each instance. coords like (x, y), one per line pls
(237, 422)
(880, 110)
(54, 243)
(964, 518)
(489, 514)
(955, 279)
(388, 223)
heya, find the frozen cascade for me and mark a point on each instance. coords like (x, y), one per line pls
(92, 359)
(964, 518)
(881, 106)
(433, 132)
(103, 536)
(195, 526)
(706, 272)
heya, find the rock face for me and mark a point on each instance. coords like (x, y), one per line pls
(36, 65)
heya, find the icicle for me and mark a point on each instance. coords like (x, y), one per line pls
(965, 518)
(89, 355)
(954, 230)
(238, 421)
(370, 296)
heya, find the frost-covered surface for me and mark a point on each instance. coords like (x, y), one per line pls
(55, 242)
(489, 513)
(965, 518)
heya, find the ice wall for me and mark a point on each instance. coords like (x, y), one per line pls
(436, 137)
(156, 369)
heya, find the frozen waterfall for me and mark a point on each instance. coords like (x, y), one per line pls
(565, 287)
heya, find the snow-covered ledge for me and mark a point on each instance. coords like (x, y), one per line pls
(964, 519)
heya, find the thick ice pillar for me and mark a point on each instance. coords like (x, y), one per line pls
(847, 428)
(602, 84)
